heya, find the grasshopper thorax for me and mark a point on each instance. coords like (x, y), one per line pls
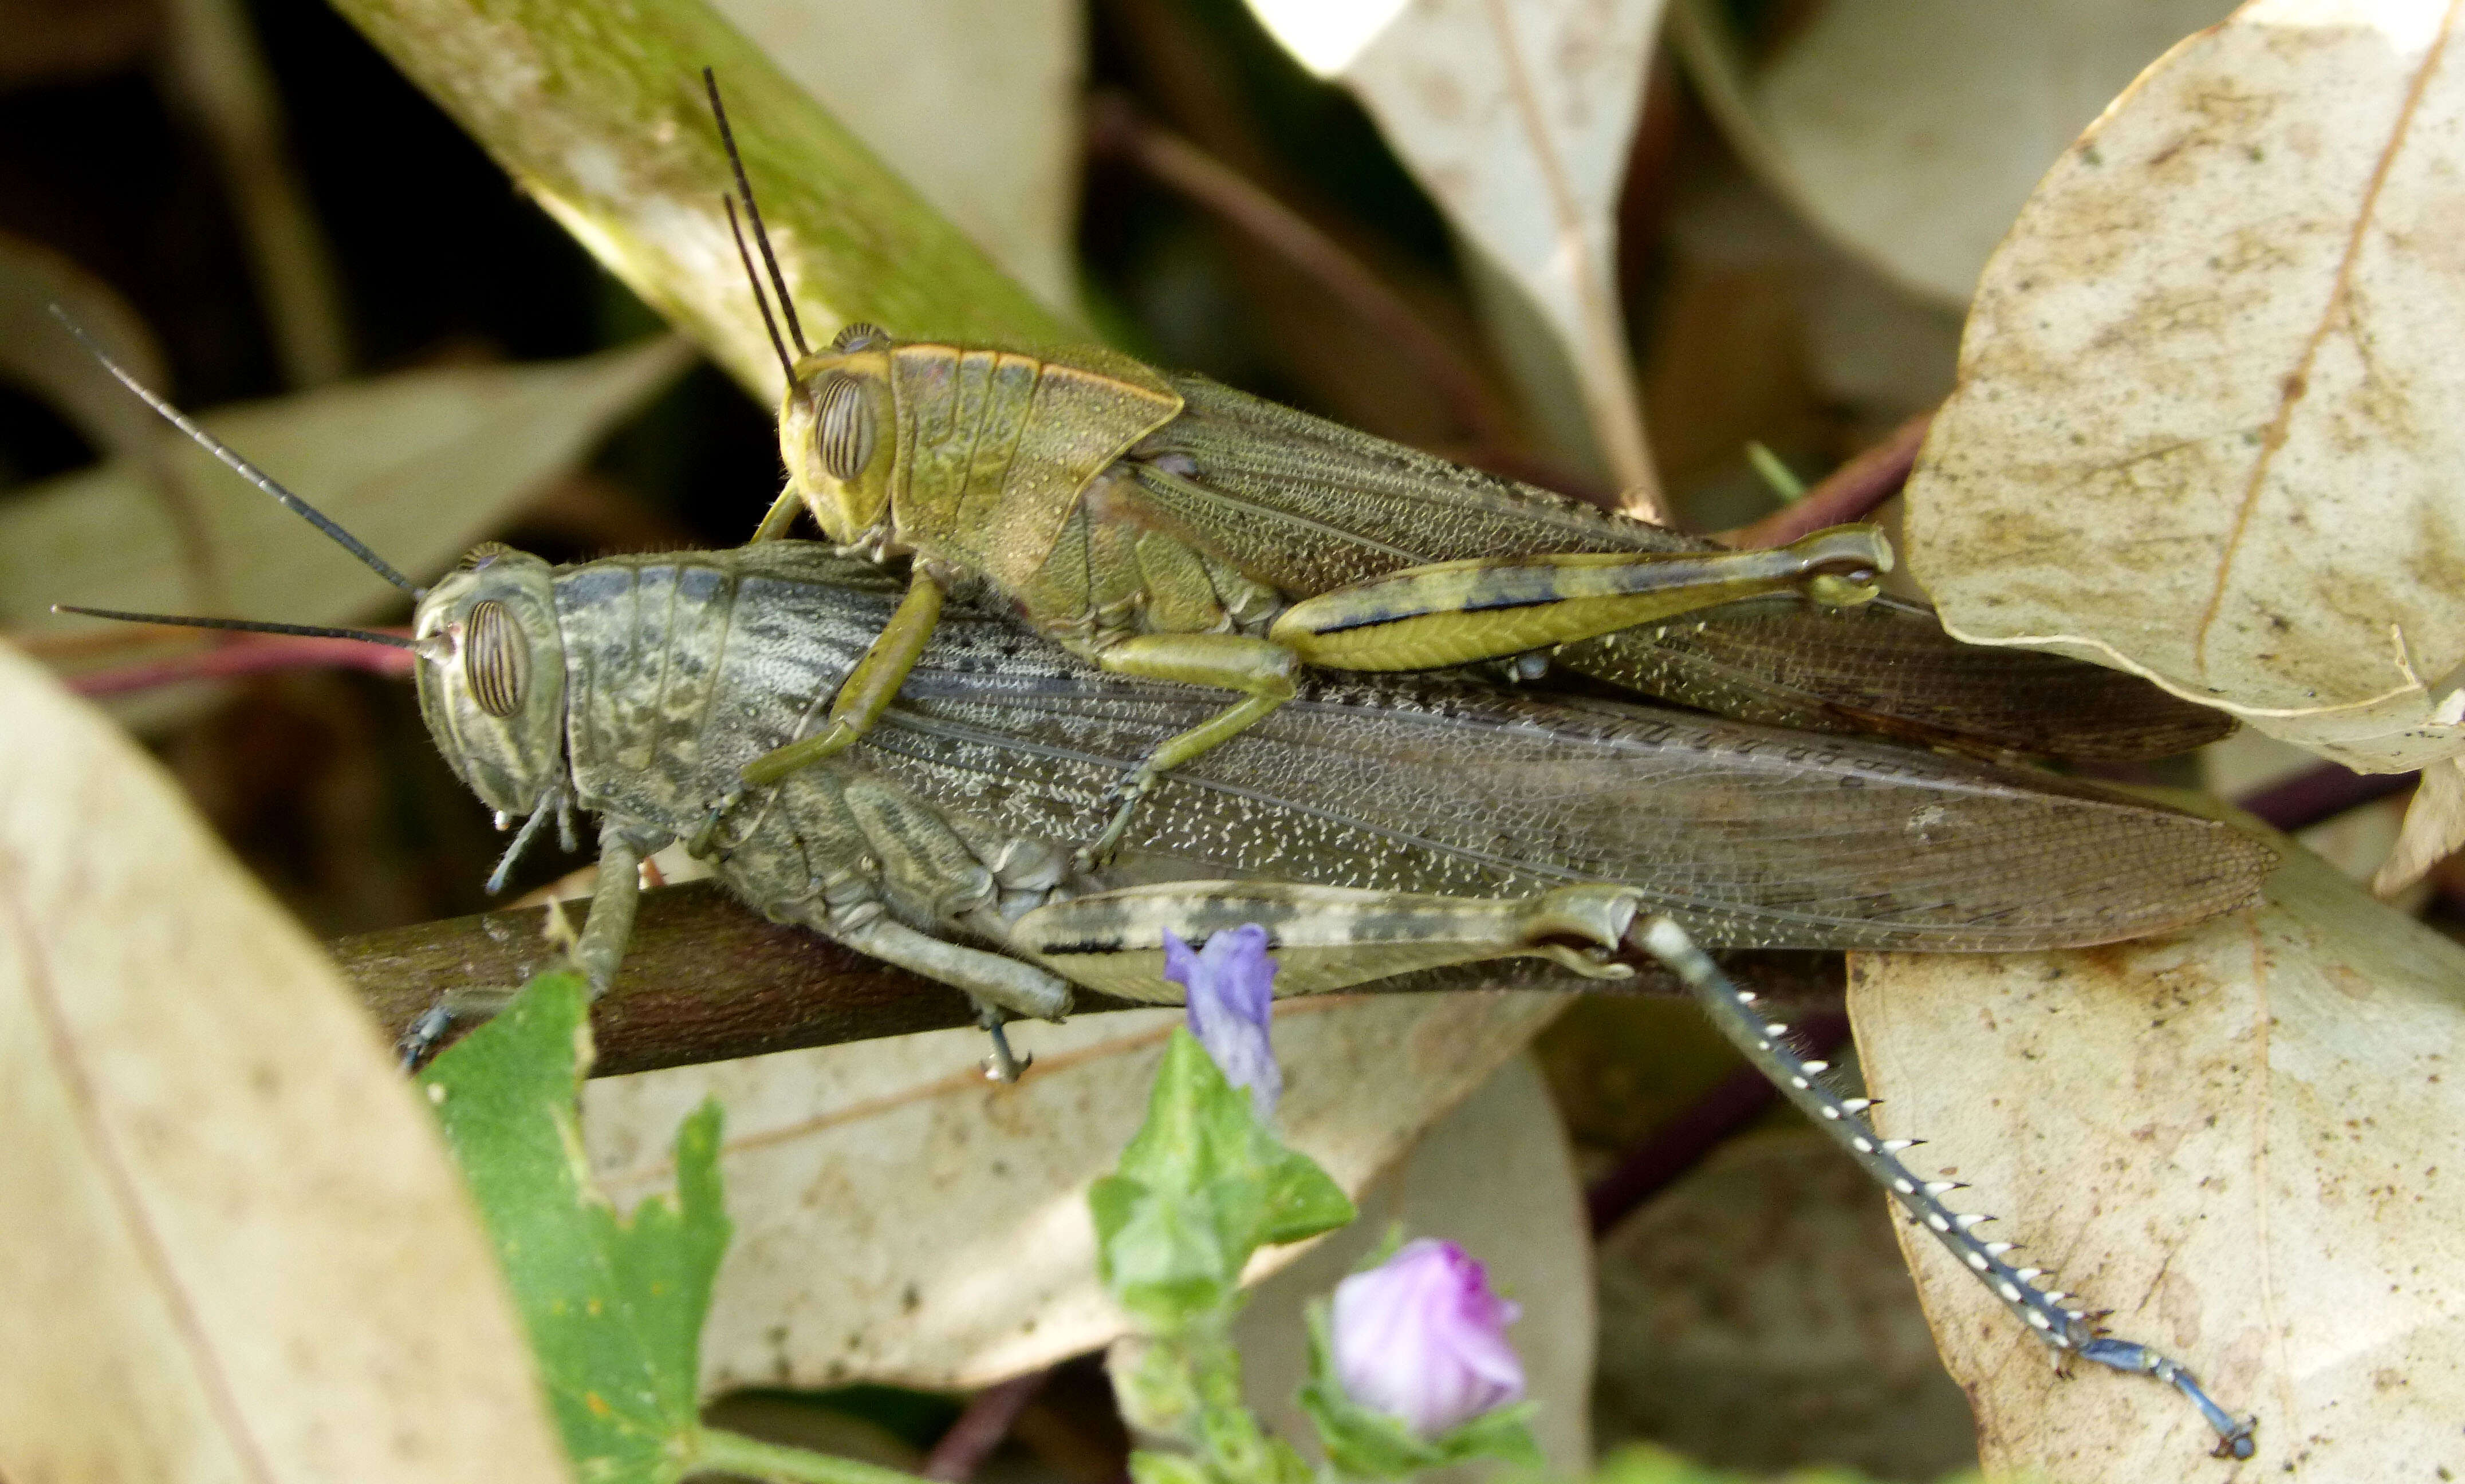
(493, 692)
(835, 433)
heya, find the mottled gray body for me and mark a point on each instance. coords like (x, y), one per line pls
(946, 829)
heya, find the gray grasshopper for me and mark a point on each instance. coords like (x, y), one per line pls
(1376, 828)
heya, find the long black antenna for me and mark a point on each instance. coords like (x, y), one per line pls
(753, 213)
(236, 464)
(754, 280)
(247, 625)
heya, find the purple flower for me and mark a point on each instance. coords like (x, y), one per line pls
(1422, 1339)
(1230, 985)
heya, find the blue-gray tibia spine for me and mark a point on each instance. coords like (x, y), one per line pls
(2049, 1314)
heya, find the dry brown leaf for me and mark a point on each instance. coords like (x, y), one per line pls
(1495, 1176)
(974, 102)
(2434, 829)
(2242, 1140)
(2205, 429)
(236, 1249)
(1516, 118)
(1910, 131)
(898, 1219)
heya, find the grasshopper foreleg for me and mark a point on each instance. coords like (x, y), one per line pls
(613, 898)
(596, 953)
(862, 697)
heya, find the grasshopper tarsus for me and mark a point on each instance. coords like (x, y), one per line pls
(420, 1042)
(1122, 802)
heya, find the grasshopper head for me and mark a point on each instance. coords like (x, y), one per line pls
(494, 700)
(835, 433)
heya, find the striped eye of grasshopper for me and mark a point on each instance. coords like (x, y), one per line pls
(830, 428)
(495, 658)
(843, 435)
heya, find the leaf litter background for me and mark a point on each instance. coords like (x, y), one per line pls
(1784, 237)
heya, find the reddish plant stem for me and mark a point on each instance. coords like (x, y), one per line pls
(263, 653)
(1848, 493)
(981, 1428)
(1117, 130)
(1677, 1146)
(2319, 794)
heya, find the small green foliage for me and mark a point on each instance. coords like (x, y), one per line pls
(614, 1305)
(1366, 1444)
(1202, 1186)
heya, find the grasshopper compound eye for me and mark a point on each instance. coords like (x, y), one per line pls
(496, 658)
(842, 427)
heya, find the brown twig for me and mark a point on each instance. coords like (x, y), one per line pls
(705, 980)
(980, 1428)
(1117, 130)
(1848, 493)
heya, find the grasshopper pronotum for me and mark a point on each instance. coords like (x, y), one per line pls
(1376, 828)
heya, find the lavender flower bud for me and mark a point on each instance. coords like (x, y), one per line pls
(1230, 985)
(1422, 1339)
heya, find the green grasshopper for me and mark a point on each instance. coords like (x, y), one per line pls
(1377, 829)
(1167, 527)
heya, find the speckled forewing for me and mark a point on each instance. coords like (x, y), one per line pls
(1748, 836)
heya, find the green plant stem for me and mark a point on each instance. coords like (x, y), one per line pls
(720, 1451)
(597, 111)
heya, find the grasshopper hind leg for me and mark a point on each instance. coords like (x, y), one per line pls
(2052, 1316)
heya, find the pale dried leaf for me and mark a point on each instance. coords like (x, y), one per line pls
(899, 1219)
(2205, 429)
(1910, 131)
(1516, 117)
(974, 102)
(1495, 1176)
(2434, 829)
(419, 465)
(2242, 1140)
(235, 1247)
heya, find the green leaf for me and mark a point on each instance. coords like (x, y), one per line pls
(1201, 1187)
(614, 1305)
(1370, 1444)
